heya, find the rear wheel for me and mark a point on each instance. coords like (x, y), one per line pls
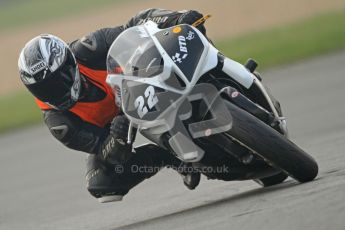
(271, 145)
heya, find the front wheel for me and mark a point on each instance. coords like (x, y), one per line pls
(271, 145)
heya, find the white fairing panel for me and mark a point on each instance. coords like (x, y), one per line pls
(238, 72)
(211, 60)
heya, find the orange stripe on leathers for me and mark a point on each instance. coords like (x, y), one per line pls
(98, 113)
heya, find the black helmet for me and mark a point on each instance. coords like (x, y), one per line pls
(49, 70)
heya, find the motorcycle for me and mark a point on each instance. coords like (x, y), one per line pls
(184, 95)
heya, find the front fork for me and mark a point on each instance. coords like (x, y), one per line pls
(279, 121)
(245, 76)
(251, 66)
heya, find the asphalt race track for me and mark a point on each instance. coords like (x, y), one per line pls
(42, 182)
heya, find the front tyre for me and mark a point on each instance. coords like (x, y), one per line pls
(271, 145)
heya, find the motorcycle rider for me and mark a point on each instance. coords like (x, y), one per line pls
(68, 82)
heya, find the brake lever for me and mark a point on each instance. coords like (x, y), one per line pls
(201, 20)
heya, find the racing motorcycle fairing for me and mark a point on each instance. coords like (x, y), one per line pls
(155, 73)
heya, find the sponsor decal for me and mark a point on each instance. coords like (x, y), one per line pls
(108, 147)
(183, 44)
(118, 96)
(178, 58)
(157, 20)
(38, 67)
(190, 35)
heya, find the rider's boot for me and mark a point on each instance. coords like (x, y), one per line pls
(111, 183)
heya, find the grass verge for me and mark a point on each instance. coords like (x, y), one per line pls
(314, 36)
(18, 110)
(17, 13)
(318, 35)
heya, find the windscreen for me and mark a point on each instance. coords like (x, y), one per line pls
(134, 54)
(135, 60)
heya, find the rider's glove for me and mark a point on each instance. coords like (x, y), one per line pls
(190, 17)
(119, 127)
(115, 149)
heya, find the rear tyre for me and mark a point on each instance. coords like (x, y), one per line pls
(266, 142)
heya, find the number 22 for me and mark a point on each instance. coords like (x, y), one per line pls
(151, 101)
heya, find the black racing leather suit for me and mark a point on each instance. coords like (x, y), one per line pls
(73, 132)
